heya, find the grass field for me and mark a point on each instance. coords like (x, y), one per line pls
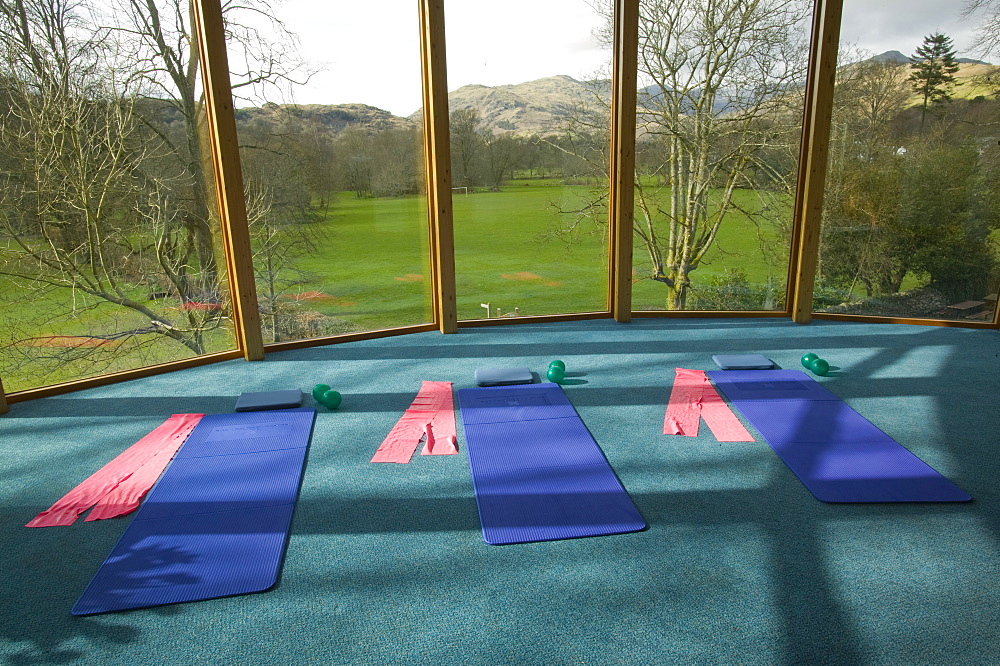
(370, 270)
(505, 255)
(54, 330)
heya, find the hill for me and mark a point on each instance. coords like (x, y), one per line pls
(897, 56)
(334, 118)
(533, 107)
(974, 78)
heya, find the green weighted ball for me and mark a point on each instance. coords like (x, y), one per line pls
(808, 359)
(559, 363)
(319, 390)
(820, 367)
(556, 374)
(330, 399)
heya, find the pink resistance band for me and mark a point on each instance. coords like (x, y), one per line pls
(112, 487)
(693, 398)
(430, 415)
(126, 496)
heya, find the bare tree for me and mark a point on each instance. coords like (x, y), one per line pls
(718, 113)
(80, 209)
(466, 145)
(156, 44)
(721, 80)
(989, 28)
(358, 160)
(105, 199)
(870, 94)
(988, 33)
(503, 152)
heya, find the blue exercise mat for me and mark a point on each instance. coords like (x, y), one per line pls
(537, 472)
(216, 523)
(839, 455)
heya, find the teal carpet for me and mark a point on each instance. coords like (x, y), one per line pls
(386, 564)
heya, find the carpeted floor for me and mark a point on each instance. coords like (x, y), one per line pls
(386, 564)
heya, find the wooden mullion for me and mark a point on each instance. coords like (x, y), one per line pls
(813, 153)
(621, 196)
(437, 160)
(228, 175)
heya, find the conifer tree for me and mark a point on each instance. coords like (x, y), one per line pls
(933, 67)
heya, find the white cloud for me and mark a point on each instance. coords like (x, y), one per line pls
(901, 25)
(370, 50)
(521, 40)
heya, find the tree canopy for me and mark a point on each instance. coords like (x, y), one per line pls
(933, 71)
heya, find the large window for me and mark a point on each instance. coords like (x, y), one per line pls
(909, 222)
(331, 147)
(529, 89)
(109, 255)
(719, 113)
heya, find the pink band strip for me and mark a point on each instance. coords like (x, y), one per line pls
(431, 414)
(441, 434)
(65, 511)
(126, 496)
(684, 408)
(692, 398)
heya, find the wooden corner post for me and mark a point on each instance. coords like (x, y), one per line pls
(621, 196)
(813, 153)
(3, 399)
(221, 120)
(437, 161)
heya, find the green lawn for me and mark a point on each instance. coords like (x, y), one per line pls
(505, 255)
(30, 317)
(370, 270)
(371, 263)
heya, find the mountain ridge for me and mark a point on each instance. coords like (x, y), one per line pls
(532, 107)
(541, 106)
(901, 58)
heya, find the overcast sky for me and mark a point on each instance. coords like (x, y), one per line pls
(901, 25)
(368, 51)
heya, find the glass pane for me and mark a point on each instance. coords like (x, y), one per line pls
(331, 147)
(719, 120)
(529, 136)
(109, 251)
(909, 221)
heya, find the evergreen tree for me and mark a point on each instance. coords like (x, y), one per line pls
(933, 66)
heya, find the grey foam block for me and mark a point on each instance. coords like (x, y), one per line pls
(252, 402)
(503, 376)
(743, 361)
